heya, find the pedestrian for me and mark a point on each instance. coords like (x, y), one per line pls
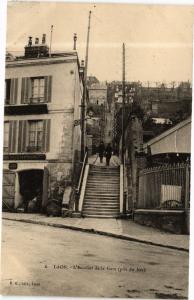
(101, 149)
(108, 154)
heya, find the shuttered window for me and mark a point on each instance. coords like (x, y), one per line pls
(46, 135)
(22, 136)
(11, 91)
(36, 89)
(34, 136)
(10, 131)
(6, 137)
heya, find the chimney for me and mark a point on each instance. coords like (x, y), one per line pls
(36, 41)
(74, 40)
(29, 41)
(44, 38)
(36, 50)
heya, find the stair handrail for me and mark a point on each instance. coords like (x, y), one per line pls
(78, 189)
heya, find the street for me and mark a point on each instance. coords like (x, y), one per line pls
(47, 261)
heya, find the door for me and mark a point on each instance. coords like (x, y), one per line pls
(8, 189)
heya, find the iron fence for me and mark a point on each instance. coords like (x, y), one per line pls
(164, 187)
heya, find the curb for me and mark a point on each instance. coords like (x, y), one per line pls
(99, 232)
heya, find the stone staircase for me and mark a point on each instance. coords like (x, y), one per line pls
(102, 192)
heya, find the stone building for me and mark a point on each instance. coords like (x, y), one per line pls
(43, 94)
(97, 93)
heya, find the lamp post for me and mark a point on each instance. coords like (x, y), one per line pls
(85, 93)
(123, 106)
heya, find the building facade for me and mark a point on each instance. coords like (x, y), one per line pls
(43, 94)
(97, 93)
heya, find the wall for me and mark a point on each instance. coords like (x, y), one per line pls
(97, 94)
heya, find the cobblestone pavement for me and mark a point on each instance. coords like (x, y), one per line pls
(122, 228)
(38, 260)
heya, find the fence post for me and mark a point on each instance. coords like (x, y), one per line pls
(187, 198)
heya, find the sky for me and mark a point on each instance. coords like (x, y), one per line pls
(158, 38)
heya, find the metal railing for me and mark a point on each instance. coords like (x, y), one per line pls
(79, 187)
(165, 187)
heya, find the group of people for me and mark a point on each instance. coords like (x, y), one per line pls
(105, 151)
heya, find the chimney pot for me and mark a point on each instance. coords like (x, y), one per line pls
(36, 41)
(30, 41)
(44, 38)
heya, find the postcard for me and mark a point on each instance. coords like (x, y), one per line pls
(97, 150)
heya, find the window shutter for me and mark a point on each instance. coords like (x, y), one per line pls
(46, 135)
(14, 91)
(12, 136)
(22, 136)
(26, 90)
(48, 88)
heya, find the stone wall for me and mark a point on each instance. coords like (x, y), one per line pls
(60, 175)
(168, 220)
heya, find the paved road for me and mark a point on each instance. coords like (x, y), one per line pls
(40, 260)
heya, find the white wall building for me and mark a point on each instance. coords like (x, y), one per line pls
(41, 144)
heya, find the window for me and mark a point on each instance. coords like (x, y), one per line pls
(6, 137)
(7, 91)
(35, 141)
(38, 89)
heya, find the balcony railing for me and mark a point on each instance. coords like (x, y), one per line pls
(34, 149)
(30, 108)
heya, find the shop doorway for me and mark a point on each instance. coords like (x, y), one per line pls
(31, 189)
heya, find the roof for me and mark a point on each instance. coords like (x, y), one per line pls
(167, 132)
(55, 58)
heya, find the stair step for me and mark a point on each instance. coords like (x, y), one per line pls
(98, 209)
(100, 216)
(98, 205)
(101, 209)
(102, 184)
(101, 200)
(101, 213)
(115, 178)
(102, 192)
(104, 172)
(99, 189)
(102, 181)
(105, 176)
(91, 173)
(101, 196)
(104, 167)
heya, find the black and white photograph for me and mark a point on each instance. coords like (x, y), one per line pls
(96, 149)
